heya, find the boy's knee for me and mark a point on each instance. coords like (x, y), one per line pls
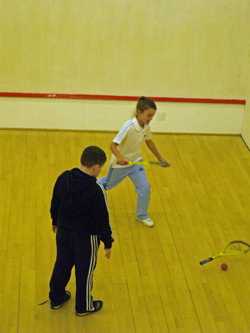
(105, 183)
(102, 182)
(145, 189)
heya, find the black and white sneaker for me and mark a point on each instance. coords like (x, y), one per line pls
(97, 307)
(55, 306)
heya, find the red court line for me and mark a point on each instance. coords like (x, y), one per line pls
(120, 98)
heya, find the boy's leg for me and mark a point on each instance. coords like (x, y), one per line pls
(114, 177)
(62, 268)
(138, 177)
(86, 249)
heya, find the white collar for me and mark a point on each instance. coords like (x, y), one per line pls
(138, 126)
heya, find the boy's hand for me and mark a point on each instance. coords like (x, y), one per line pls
(107, 253)
(122, 161)
(164, 163)
(54, 228)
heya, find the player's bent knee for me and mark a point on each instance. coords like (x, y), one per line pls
(145, 189)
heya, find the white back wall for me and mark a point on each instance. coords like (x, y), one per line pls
(246, 118)
(246, 124)
(109, 115)
(158, 48)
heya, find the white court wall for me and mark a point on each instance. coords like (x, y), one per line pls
(158, 48)
(109, 115)
(246, 123)
(170, 48)
(246, 118)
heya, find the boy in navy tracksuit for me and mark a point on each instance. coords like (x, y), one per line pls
(80, 219)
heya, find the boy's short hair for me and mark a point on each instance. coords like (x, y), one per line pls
(93, 155)
(145, 103)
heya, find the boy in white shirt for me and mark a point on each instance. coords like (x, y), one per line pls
(125, 148)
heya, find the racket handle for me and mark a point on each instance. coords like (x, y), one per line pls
(206, 261)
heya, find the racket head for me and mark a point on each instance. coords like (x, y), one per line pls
(233, 248)
(236, 247)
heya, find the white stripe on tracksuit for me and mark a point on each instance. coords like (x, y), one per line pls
(89, 284)
(104, 193)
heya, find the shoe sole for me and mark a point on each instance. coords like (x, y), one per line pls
(82, 314)
(149, 226)
(57, 307)
(86, 313)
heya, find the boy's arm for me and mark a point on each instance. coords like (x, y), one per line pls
(120, 136)
(55, 203)
(152, 147)
(101, 216)
(120, 158)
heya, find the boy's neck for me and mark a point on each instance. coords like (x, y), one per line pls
(86, 170)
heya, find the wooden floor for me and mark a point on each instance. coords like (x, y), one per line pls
(154, 282)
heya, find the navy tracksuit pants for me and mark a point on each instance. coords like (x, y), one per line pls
(79, 250)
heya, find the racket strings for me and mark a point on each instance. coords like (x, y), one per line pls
(237, 248)
(240, 246)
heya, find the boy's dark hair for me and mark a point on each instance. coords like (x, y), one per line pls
(93, 155)
(145, 103)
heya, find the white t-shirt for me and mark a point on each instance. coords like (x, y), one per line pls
(130, 138)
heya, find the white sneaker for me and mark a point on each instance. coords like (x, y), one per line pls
(147, 221)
